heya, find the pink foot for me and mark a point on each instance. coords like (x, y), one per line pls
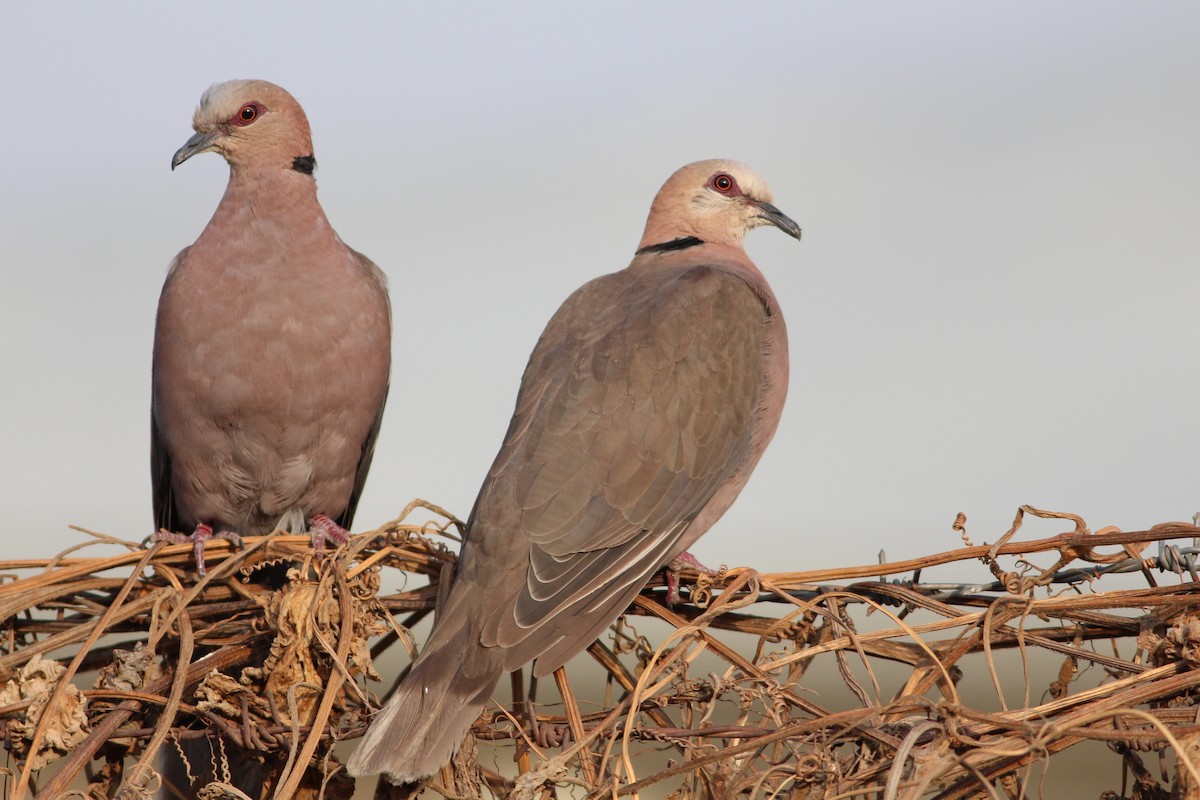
(197, 539)
(321, 528)
(680, 562)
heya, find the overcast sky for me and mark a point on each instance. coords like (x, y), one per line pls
(993, 303)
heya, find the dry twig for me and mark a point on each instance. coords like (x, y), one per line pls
(267, 659)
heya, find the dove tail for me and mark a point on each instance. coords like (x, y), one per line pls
(422, 725)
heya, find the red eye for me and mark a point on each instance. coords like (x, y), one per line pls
(247, 114)
(723, 183)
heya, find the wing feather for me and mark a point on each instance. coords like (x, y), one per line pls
(636, 406)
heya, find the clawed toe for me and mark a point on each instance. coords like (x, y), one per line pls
(322, 528)
(684, 560)
(197, 539)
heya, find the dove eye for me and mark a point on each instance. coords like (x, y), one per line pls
(723, 183)
(247, 114)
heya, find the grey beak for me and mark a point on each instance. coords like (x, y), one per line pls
(197, 144)
(779, 219)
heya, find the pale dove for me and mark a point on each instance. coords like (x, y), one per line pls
(645, 406)
(273, 342)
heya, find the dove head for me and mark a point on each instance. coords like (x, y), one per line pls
(253, 125)
(714, 201)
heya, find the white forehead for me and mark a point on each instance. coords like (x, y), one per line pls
(222, 100)
(222, 96)
(750, 181)
(751, 184)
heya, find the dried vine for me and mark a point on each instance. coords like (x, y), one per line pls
(269, 663)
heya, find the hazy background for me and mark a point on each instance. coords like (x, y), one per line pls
(992, 305)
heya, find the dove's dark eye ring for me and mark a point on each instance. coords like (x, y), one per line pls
(247, 114)
(723, 183)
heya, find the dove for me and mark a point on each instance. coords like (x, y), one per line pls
(644, 408)
(272, 344)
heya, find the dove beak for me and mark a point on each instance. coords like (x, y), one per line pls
(199, 143)
(771, 215)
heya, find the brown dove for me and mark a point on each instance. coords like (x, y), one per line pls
(644, 408)
(272, 346)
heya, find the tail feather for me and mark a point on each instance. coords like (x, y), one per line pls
(424, 722)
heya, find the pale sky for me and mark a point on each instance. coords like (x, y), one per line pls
(992, 303)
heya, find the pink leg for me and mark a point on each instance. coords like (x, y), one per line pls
(681, 562)
(197, 539)
(322, 527)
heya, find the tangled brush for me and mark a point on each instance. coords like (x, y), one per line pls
(926, 689)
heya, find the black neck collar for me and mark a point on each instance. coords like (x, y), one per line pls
(305, 164)
(681, 243)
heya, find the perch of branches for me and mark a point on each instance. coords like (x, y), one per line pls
(111, 664)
